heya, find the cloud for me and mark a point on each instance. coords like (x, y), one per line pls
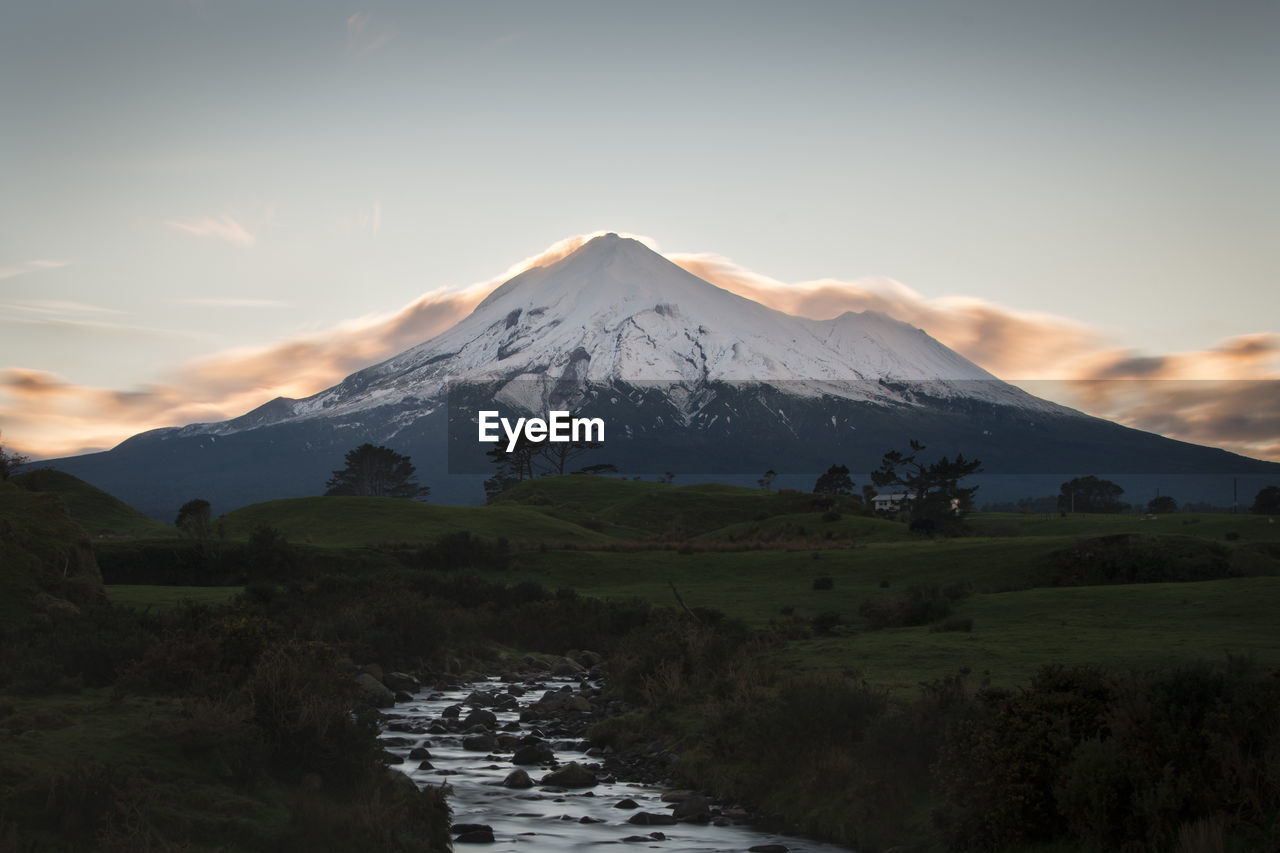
(213, 302)
(1225, 396)
(365, 36)
(1010, 343)
(59, 308)
(29, 266)
(222, 227)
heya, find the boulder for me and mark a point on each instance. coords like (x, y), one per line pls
(572, 775)
(627, 803)
(538, 753)
(517, 779)
(481, 717)
(693, 809)
(484, 835)
(479, 743)
(374, 692)
(566, 668)
(651, 819)
(401, 681)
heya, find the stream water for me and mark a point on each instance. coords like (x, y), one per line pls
(544, 819)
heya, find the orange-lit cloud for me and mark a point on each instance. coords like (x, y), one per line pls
(1228, 396)
(1225, 396)
(1010, 343)
(222, 227)
(45, 416)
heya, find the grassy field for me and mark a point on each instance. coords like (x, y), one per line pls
(143, 597)
(1018, 621)
(357, 522)
(1140, 626)
(627, 509)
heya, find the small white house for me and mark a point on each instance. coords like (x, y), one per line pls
(895, 501)
(891, 502)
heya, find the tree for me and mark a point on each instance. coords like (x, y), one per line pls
(835, 482)
(1162, 505)
(10, 461)
(766, 482)
(529, 459)
(1267, 501)
(193, 518)
(376, 472)
(557, 454)
(1090, 494)
(934, 495)
(598, 468)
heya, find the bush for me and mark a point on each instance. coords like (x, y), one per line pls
(1127, 558)
(1130, 763)
(825, 623)
(920, 605)
(998, 769)
(823, 583)
(302, 704)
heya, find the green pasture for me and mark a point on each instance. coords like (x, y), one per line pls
(143, 597)
(350, 522)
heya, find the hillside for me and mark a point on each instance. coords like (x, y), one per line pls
(99, 514)
(46, 561)
(639, 509)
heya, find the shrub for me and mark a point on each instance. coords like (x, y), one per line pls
(1126, 558)
(920, 605)
(823, 583)
(302, 704)
(998, 769)
(825, 623)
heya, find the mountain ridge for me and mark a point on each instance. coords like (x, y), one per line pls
(689, 377)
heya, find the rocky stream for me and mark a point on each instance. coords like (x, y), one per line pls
(522, 777)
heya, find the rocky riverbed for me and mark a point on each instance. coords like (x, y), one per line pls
(513, 751)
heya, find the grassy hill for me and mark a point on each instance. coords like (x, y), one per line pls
(641, 509)
(44, 555)
(359, 522)
(98, 513)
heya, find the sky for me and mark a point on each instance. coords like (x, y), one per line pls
(208, 203)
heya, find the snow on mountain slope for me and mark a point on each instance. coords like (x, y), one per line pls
(616, 310)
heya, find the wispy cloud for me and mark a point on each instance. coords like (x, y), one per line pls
(83, 317)
(231, 302)
(366, 36)
(60, 307)
(222, 227)
(29, 266)
(1224, 396)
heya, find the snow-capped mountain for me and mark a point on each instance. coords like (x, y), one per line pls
(688, 378)
(616, 311)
